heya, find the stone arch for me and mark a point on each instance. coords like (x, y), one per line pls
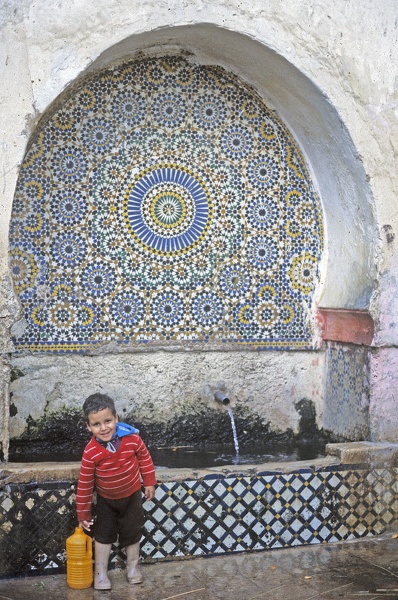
(161, 201)
(348, 271)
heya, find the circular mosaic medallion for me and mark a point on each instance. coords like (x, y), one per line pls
(207, 309)
(168, 209)
(23, 269)
(127, 309)
(98, 280)
(168, 309)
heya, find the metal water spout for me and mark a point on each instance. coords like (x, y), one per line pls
(221, 397)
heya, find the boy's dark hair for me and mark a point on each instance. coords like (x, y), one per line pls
(97, 402)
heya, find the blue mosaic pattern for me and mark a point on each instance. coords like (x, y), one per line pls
(209, 516)
(347, 392)
(162, 201)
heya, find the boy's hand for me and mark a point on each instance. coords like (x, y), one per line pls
(149, 492)
(86, 524)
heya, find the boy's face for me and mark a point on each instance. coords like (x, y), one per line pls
(102, 424)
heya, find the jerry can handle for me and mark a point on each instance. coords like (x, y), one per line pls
(89, 546)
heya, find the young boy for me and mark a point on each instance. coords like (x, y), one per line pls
(114, 462)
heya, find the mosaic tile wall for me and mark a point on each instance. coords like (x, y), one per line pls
(163, 202)
(209, 516)
(346, 411)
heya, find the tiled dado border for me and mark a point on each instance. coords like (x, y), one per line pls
(212, 515)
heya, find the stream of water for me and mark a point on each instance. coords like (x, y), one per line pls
(236, 443)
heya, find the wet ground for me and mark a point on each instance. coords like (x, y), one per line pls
(340, 571)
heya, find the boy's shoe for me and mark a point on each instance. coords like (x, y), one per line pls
(133, 563)
(101, 579)
(102, 584)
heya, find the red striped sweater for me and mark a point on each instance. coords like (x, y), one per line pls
(113, 474)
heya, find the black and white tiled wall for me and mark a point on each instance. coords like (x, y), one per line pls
(213, 515)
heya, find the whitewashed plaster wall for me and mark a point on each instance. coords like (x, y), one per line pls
(166, 386)
(328, 67)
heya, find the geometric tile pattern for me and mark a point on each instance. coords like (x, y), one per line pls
(347, 391)
(35, 521)
(209, 516)
(215, 516)
(162, 201)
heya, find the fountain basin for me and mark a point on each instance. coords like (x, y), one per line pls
(202, 512)
(201, 456)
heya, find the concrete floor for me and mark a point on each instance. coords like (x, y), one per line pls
(348, 570)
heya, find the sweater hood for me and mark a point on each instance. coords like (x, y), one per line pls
(123, 429)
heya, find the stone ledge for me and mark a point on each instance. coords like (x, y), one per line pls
(25, 473)
(38, 472)
(383, 454)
